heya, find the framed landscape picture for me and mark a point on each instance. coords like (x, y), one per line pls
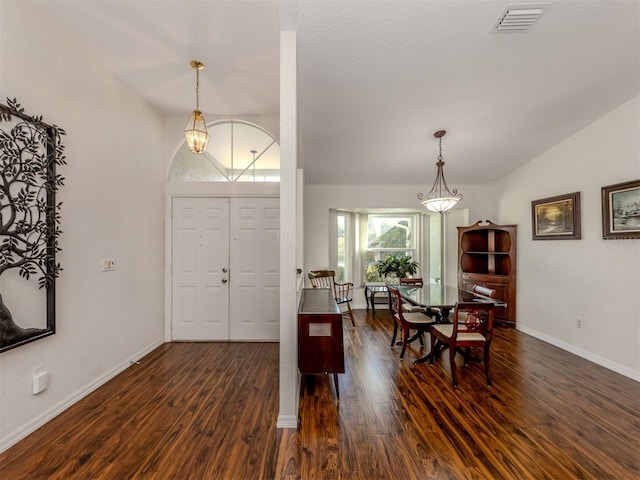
(621, 210)
(556, 218)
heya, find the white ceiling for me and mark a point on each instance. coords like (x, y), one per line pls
(377, 78)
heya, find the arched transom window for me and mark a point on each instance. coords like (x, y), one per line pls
(237, 152)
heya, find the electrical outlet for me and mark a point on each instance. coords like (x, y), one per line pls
(579, 322)
(40, 380)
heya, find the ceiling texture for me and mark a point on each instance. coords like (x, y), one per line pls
(376, 79)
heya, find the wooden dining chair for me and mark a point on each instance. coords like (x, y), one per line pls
(479, 290)
(471, 330)
(341, 291)
(406, 321)
(462, 318)
(411, 282)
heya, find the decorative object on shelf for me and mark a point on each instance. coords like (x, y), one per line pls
(556, 218)
(395, 267)
(196, 129)
(30, 153)
(440, 199)
(621, 210)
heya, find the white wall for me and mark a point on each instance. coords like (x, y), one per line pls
(318, 199)
(595, 279)
(113, 207)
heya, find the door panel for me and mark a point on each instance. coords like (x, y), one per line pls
(255, 276)
(200, 296)
(241, 235)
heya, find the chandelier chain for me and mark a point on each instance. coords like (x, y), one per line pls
(197, 89)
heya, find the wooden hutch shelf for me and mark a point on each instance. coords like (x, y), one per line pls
(487, 257)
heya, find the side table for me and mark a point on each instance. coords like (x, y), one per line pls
(370, 291)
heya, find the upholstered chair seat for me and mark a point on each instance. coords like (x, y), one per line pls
(409, 307)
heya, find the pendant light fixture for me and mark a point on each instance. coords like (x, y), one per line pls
(440, 199)
(196, 129)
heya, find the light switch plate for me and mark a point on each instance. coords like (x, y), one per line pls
(108, 264)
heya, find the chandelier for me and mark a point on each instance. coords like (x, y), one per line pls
(440, 199)
(196, 129)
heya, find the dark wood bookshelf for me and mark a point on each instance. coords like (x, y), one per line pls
(487, 257)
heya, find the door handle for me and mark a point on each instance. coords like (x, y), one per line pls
(224, 280)
(224, 270)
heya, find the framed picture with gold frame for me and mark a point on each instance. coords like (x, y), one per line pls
(556, 218)
(621, 210)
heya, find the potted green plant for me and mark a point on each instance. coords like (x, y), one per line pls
(396, 267)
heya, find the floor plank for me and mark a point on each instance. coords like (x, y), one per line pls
(208, 411)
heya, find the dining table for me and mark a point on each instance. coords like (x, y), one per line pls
(439, 300)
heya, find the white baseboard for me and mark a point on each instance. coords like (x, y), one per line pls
(17, 435)
(287, 421)
(603, 362)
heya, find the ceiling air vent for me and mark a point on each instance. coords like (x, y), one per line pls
(519, 18)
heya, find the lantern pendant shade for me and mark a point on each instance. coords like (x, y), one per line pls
(196, 132)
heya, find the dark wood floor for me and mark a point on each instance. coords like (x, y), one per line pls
(208, 411)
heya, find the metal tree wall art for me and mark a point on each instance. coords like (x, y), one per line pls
(30, 152)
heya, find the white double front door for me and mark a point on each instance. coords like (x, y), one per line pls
(225, 269)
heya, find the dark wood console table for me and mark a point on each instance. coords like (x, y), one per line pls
(320, 337)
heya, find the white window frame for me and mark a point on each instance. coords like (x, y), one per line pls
(415, 237)
(433, 234)
(349, 243)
